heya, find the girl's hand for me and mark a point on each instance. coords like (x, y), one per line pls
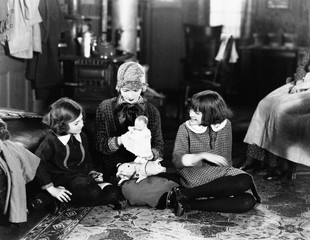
(97, 176)
(302, 85)
(190, 160)
(307, 77)
(62, 194)
(215, 159)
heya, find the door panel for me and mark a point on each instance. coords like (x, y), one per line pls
(15, 90)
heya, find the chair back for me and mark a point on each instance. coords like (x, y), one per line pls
(202, 44)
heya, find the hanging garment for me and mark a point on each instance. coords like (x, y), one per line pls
(43, 69)
(227, 51)
(20, 166)
(23, 36)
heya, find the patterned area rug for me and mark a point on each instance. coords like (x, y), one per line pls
(284, 214)
(54, 227)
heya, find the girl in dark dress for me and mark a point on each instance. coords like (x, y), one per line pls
(66, 171)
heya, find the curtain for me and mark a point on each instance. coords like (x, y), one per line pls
(246, 19)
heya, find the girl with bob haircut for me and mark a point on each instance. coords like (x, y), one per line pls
(212, 106)
(66, 172)
(202, 156)
(61, 114)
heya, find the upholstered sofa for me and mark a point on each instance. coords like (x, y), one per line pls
(26, 128)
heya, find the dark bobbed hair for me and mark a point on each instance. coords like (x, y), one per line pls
(62, 112)
(212, 106)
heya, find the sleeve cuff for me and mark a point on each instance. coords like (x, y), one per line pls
(156, 153)
(113, 144)
(47, 186)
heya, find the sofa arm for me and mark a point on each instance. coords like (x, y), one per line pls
(25, 128)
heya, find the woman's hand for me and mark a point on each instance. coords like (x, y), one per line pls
(300, 88)
(62, 194)
(301, 85)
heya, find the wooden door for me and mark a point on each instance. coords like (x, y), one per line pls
(15, 90)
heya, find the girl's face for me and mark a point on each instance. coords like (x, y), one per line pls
(131, 95)
(75, 127)
(195, 117)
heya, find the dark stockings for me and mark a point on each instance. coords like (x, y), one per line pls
(223, 187)
(236, 204)
(92, 194)
(225, 194)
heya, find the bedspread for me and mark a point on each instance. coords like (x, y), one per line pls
(281, 125)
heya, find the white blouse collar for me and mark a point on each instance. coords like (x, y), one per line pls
(219, 126)
(202, 129)
(65, 139)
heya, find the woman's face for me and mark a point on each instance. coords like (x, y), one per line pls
(75, 127)
(131, 95)
(195, 117)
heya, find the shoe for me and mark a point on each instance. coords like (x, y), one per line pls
(44, 200)
(41, 201)
(252, 165)
(120, 205)
(171, 199)
(182, 203)
(55, 207)
(179, 210)
(273, 176)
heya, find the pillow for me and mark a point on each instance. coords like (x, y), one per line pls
(148, 191)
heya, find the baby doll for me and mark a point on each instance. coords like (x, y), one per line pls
(139, 171)
(138, 140)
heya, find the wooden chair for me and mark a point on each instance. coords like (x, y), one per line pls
(200, 70)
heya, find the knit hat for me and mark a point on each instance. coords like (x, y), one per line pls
(131, 75)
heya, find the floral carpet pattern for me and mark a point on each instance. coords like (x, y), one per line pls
(284, 214)
(54, 227)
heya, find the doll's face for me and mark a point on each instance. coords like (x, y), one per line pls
(131, 95)
(195, 117)
(75, 127)
(139, 124)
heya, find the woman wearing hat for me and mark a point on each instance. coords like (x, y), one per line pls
(115, 115)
